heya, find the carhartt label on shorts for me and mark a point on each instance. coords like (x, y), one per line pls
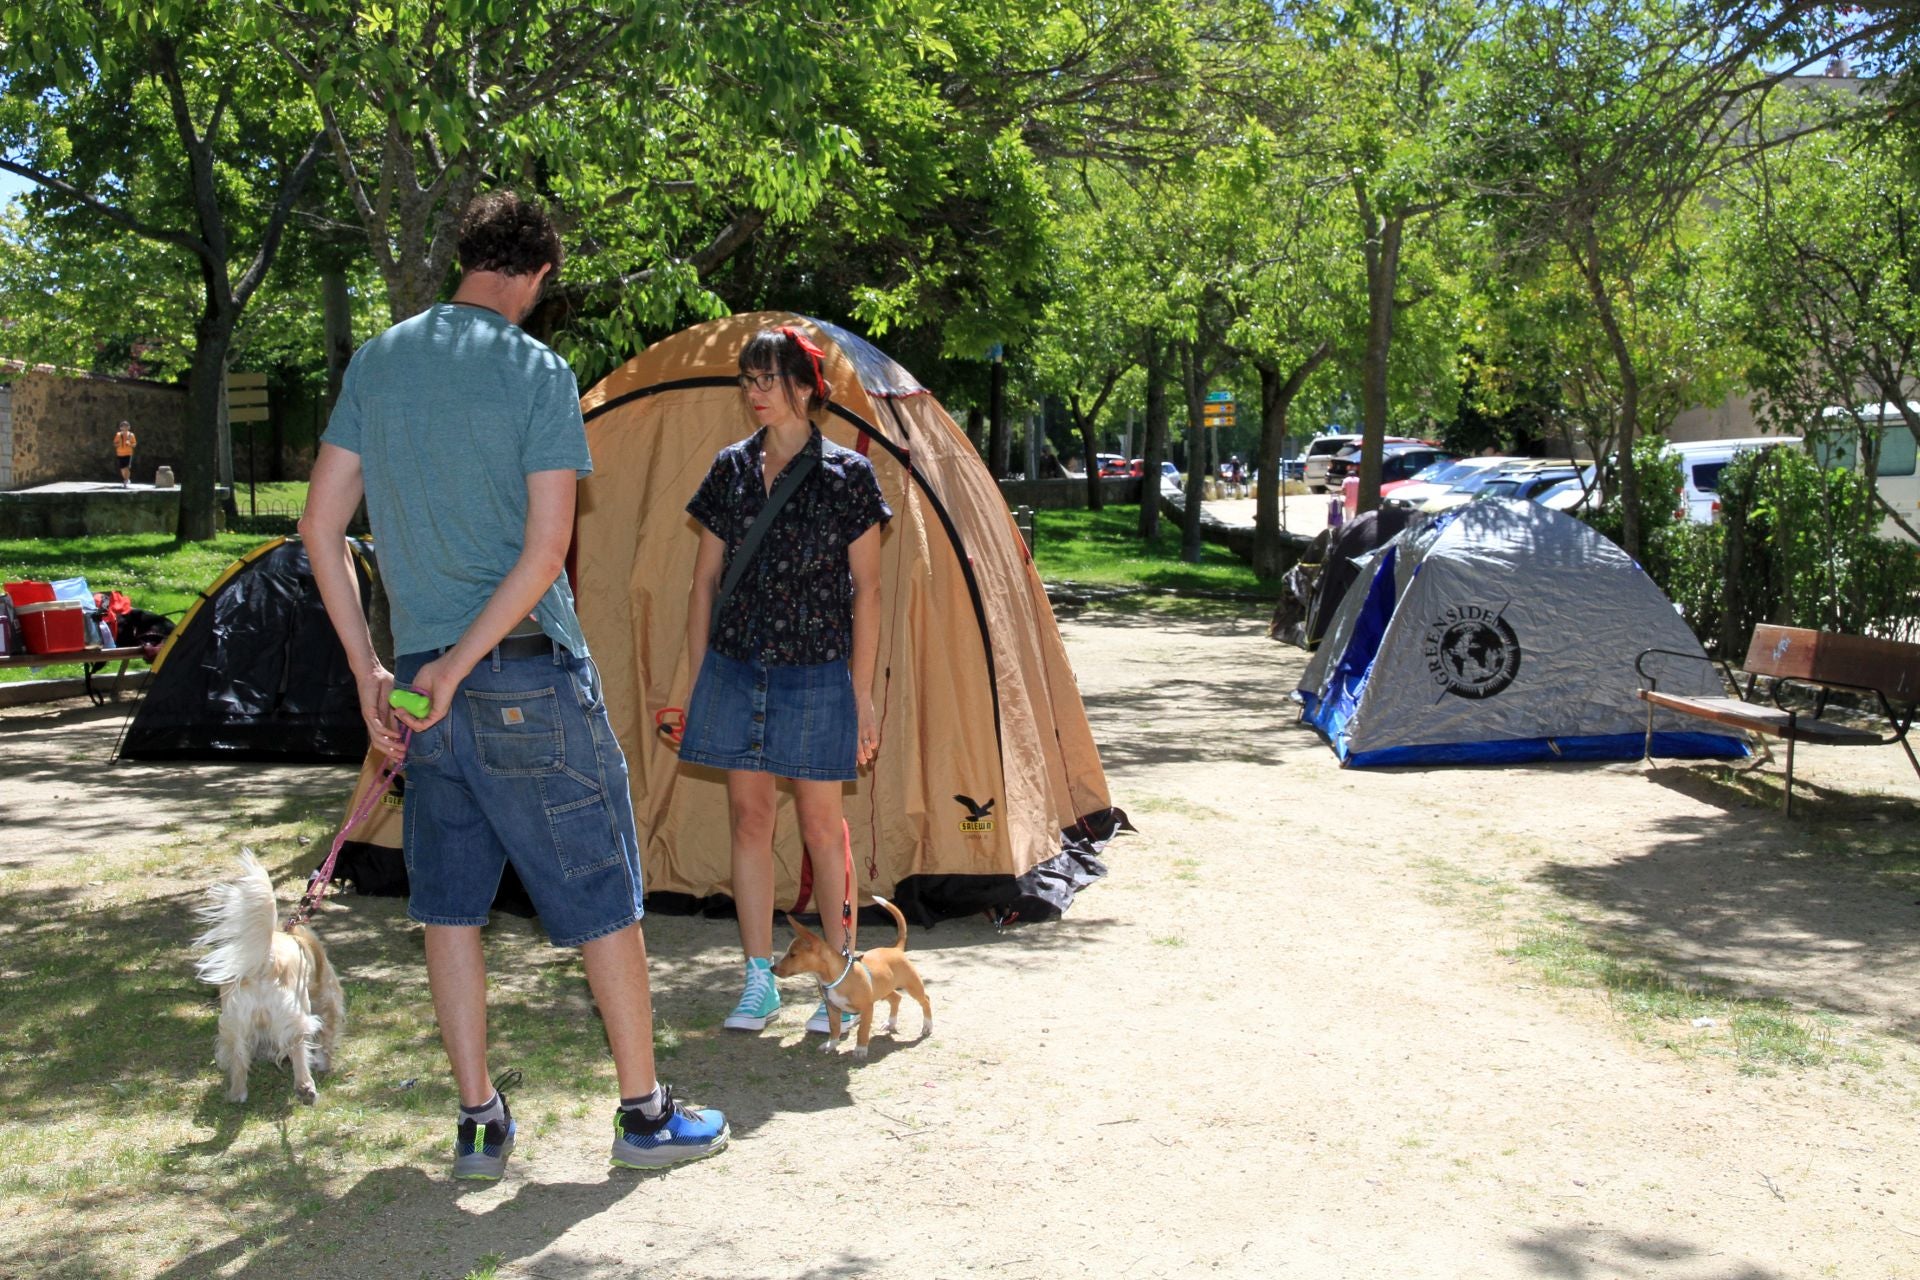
(512, 715)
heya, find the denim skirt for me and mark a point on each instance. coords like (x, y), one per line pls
(793, 722)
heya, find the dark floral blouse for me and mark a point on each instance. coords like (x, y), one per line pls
(794, 607)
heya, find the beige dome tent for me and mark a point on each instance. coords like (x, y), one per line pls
(987, 768)
(986, 754)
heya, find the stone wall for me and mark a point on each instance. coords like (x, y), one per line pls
(1069, 494)
(82, 513)
(63, 426)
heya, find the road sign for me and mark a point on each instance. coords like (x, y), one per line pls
(247, 397)
(1219, 397)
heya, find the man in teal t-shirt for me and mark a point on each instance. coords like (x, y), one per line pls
(463, 434)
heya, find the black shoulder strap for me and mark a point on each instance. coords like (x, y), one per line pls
(757, 532)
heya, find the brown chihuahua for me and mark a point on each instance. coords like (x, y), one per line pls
(859, 984)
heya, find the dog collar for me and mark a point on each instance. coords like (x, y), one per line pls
(828, 986)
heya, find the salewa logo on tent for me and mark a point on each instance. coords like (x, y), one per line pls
(1471, 651)
(979, 816)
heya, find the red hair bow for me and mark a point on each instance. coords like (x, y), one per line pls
(813, 353)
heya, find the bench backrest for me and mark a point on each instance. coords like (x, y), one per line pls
(1828, 657)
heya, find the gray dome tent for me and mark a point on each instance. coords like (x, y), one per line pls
(1501, 632)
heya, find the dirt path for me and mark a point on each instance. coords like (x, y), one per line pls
(1279, 1040)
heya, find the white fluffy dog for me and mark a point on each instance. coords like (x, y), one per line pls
(279, 997)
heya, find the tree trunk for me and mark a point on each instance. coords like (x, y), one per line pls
(1588, 255)
(1381, 245)
(1089, 448)
(1156, 443)
(1277, 395)
(975, 420)
(199, 461)
(999, 439)
(1193, 383)
(336, 318)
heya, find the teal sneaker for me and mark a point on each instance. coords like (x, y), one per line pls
(759, 1000)
(849, 1021)
(681, 1133)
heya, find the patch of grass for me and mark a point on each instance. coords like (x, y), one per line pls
(1176, 805)
(1452, 885)
(1170, 940)
(98, 944)
(157, 573)
(1759, 1034)
(1890, 853)
(488, 1267)
(1104, 548)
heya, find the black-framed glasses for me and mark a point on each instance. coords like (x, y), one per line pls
(758, 381)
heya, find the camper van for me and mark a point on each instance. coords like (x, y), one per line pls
(1839, 447)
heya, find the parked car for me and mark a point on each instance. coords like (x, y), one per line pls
(1531, 483)
(1418, 492)
(1399, 463)
(1701, 462)
(1111, 464)
(1519, 478)
(1576, 497)
(1320, 451)
(1315, 457)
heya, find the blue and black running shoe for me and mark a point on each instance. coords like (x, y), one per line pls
(681, 1133)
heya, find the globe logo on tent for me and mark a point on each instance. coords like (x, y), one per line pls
(1471, 651)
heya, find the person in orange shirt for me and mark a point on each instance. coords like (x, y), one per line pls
(123, 442)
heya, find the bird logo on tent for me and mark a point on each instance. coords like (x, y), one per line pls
(979, 816)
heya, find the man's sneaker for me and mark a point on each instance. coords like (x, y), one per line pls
(681, 1133)
(849, 1021)
(480, 1151)
(759, 1001)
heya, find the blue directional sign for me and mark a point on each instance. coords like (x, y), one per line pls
(1219, 397)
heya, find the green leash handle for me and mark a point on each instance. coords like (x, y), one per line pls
(417, 705)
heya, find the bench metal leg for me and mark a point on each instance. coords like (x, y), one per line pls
(1789, 776)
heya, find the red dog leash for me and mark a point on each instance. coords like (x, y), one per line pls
(317, 883)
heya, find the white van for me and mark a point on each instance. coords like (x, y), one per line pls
(1315, 457)
(1897, 481)
(1701, 462)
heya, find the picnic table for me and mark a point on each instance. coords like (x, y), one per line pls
(90, 660)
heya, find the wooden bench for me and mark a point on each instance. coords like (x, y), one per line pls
(1819, 661)
(90, 660)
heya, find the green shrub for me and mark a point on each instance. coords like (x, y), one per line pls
(1801, 546)
(1795, 545)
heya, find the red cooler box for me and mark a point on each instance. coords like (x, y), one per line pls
(57, 626)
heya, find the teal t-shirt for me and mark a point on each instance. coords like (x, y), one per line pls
(450, 411)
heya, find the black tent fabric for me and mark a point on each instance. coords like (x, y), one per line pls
(254, 671)
(1289, 625)
(1366, 532)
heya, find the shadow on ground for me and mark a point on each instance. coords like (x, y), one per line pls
(1819, 909)
(1595, 1253)
(76, 797)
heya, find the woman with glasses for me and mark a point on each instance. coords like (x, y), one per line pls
(785, 663)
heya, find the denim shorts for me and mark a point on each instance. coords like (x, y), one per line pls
(524, 769)
(793, 722)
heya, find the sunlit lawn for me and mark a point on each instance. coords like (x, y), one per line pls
(1104, 548)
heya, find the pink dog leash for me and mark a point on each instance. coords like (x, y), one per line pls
(317, 883)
